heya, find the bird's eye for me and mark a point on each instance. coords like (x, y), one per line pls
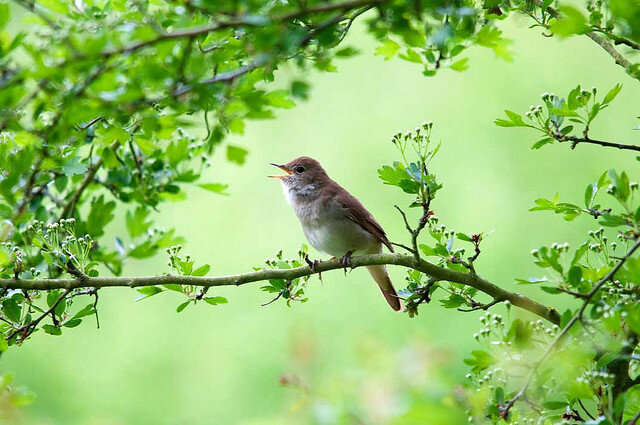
(299, 169)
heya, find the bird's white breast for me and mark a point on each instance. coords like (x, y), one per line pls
(326, 225)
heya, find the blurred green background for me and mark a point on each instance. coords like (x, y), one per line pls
(344, 350)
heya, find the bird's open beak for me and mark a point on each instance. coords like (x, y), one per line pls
(283, 168)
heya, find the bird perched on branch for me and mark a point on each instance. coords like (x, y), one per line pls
(333, 220)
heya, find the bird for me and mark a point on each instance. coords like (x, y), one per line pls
(333, 220)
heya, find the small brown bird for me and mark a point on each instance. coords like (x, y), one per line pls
(333, 220)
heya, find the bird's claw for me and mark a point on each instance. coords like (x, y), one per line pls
(345, 261)
(313, 265)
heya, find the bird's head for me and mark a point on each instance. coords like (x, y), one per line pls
(301, 173)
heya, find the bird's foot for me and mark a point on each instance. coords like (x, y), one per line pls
(345, 261)
(313, 265)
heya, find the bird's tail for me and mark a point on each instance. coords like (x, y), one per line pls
(380, 275)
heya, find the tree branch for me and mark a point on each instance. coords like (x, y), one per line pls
(576, 317)
(600, 40)
(232, 23)
(575, 140)
(32, 324)
(439, 273)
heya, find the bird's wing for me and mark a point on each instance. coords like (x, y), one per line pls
(356, 212)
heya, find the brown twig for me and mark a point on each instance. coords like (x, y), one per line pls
(577, 140)
(479, 306)
(27, 329)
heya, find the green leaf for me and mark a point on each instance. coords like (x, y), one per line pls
(218, 188)
(183, 306)
(146, 146)
(280, 99)
(236, 126)
(300, 89)
(555, 405)
(236, 154)
(520, 333)
(540, 143)
(611, 220)
(52, 297)
(532, 280)
(87, 310)
(4, 18)
(201, 271)
(346, 52)
(177, 151)
(52, 330)
(72, 323)
(392, 175)
(550, 289)
(589, 194)
(571, 21)
(453, 301)
(573, 100)
(579, 253)
(136, 222)
(409, 186)
(215, 300)
(564, 111)
(100, 215)
(463, 237)
(11, 310)
(24, 138)
(612, 94)
(460, 65)
(427, 250)
(388, 49)
(74, 166)
(174, 287)
(575, 275)
(479, 360)
(515, 120)
(411, 56)
(148, 291)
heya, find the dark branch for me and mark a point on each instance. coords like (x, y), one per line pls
(577, 140)
(29, 327)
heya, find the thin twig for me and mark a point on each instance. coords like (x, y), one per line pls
(577, 140)
(482, 306)
(32, 324)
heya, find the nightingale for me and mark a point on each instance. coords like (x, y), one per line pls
(333, 220)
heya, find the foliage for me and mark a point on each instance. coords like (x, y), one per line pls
(98, 104)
